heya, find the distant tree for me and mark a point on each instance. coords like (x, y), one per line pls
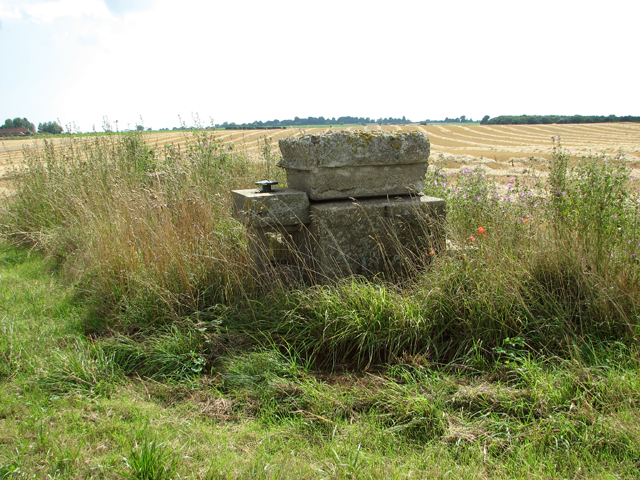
(24, 123)
(19, 123)
(485, 120)
(139, 128)
(50, 127)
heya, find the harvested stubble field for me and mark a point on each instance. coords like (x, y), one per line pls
(503, 151)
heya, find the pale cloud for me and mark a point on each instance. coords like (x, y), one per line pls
(49, 11)
(121, 7)
(10, 12)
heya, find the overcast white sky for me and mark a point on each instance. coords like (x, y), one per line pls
(238, 61)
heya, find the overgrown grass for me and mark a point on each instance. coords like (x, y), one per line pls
(145, 346)
(146, 233)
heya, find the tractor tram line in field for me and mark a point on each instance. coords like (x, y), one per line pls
(465, 139)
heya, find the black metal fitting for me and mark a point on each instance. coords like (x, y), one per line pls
(265, 185)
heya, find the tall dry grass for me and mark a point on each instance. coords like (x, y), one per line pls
(145, 230)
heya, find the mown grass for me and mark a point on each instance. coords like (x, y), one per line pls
(137, 340)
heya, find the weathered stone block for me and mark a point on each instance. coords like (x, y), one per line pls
(373, 235)
(356, 164)
(275, 228)
(282, 206)
(277, 247)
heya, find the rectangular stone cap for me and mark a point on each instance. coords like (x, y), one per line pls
(282, 206)
(359, 182)
(353, 148)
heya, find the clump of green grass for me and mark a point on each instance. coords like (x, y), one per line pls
(150, 460)
(178, 354)
(83, 369)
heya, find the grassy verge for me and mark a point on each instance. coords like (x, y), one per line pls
(70, 411)
(136, 342)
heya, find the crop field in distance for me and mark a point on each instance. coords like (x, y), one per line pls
(503, 151)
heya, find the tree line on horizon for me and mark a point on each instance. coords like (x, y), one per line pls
(55, 128)
(319, 121)
(551, 119)
(461, 119)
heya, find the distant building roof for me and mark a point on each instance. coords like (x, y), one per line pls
(11, 132)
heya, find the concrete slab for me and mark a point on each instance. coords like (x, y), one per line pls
(371, 236)
(282, 206)
(358, 164)
(358, 182)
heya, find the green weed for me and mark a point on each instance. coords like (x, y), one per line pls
(173, 354)
(83, 369)
(150, 460)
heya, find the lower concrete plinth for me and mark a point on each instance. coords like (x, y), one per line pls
(380, 235)
(280, 247)
(295, 239)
